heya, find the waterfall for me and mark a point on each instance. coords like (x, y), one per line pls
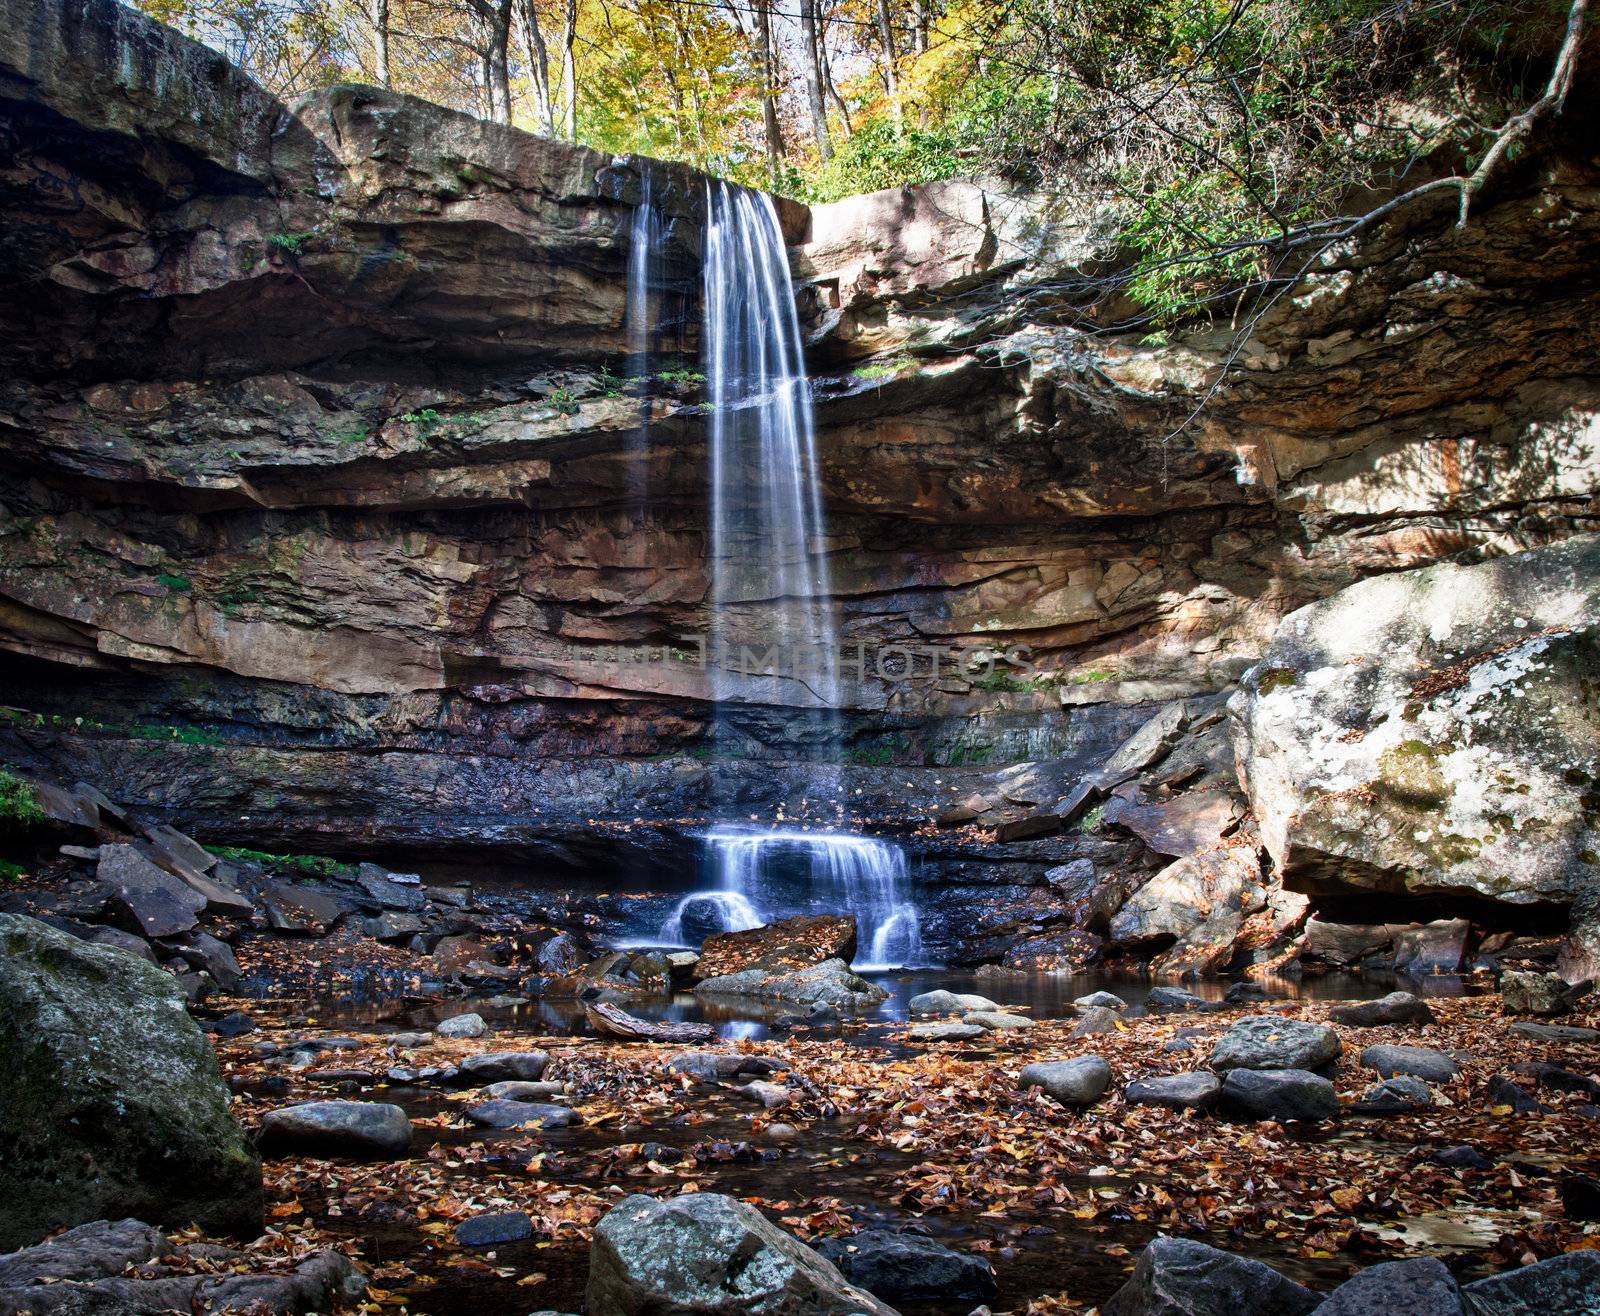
(762, 876)
(770, 589)
(645, 237)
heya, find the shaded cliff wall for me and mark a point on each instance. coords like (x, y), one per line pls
(315, 526)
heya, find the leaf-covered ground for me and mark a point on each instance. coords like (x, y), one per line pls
(882, 1129)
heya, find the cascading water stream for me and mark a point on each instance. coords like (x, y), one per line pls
(645, 238)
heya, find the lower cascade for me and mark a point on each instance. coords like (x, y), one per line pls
(762, 876)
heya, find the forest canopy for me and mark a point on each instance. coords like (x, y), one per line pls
(1224, 137)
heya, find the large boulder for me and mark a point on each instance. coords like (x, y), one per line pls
(715, 1256)
(111, 1103)
(1421, 1286)
(1266, 1041)
(827, 984)
(1199, 903)
(1279, 1094)
(1568, 1283)
(1416, 732)
(1179, 1277)
(791, 943)
(1081, 1081)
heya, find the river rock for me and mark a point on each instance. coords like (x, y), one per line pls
(909, 1268)
(1078, 1082)
(1395, 1008)
(1100, 1001)
(1419, 1061)
(111, 1103)
(720, 1066)
(504, 1066)
(1503, 1091)
(1266, 1041)
(1170, 1000)
(769, 1095)
(1279, 1094)
(1556, 1032)
(997, 1021)
(1462, 1157)
(1536, 993)
(715, 1256)
(146, 899)
(336, 1128)
(943, 1002)
(1421, 1286)
(1095, 1019)
(119, 1268)
(1399, 1095)
(462, 1025)
(828, 984)
(791, 943)
(499, 1114)
(945, 1031)
(1180, 1277)
(494, 1229)
(1191, 1091)
(513, 1090)
(1569, 1284)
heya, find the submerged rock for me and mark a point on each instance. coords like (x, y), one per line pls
(909, 1268)
(111, 1103)
(715, 1256)
(1172, 999)
(1179, 1277)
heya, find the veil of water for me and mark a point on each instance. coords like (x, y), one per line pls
(645, 238)
(765, 875)
(774, 635)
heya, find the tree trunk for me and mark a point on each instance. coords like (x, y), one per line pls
(891, 77)
(497, 62)
(569, 71)
(770, 123)
(380, 41)
(812, 58)
(538, 66)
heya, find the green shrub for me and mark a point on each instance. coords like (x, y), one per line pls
(301, 865)
(19, 802)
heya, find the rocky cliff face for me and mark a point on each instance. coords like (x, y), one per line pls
(316, 526)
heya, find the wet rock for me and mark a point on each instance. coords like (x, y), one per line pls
(1537, 993)
(1568, 1284)
(943, 1002)
(791, 943)
(498, 1114)
(1418, 1287)
(1399, 1095)
(1462, 1157)
(1395, 1008)
(451, 955)
(408, 1040)
(1502, 1091)
(385, 890)
(1055, 952)
(769, 1095)
(236, 1023)
(516, 1091)
(117, 939)
(492, 1230)
(1242, 993)
(358, 1129)
(1101, 1001)
(146, 899)
(1429, 948)
(1172, 1000)
(830, 983)
(1267, 1041)
(462, 1025)
(1556, 1032)
(557, 954)
(394, 926)
(909, 1268)
(504, 1066)
(946, 1031)
(1557, 1079)
(1028, 828)
(355, 1077)
(111, 1102)
(1191, 1091)
(1078, 1082)
(121, 1267)
(1179, 1277)
(1418, 1061)
(1279, 1094)
(997, 1021)
(298, 909)
(712, 1255)
(203, 951)
(720, 1066)
(1095, 1019)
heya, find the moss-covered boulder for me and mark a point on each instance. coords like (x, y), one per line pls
(111, 1103)
(1436, 732)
